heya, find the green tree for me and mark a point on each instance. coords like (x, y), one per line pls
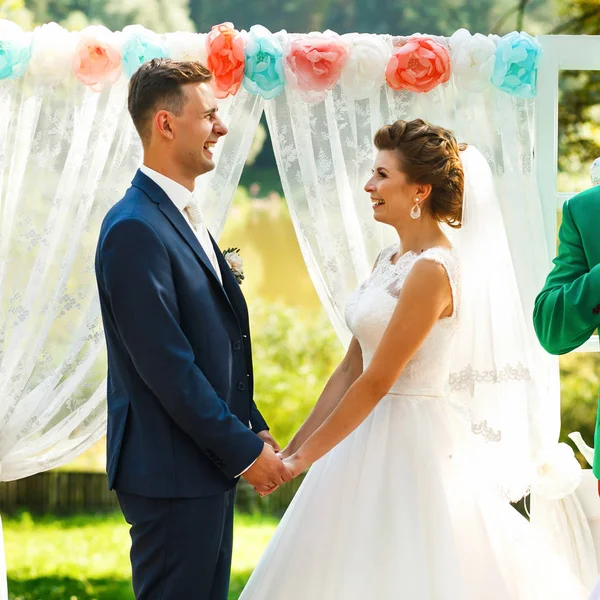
(295, 353)
(15, 10)
(579, 378)
(397, 17)
(157, 15)
(161, 16)
(579, 101)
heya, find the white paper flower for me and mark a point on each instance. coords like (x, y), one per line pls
(52, 52)
(364, 72)
(473, 58)
(234, 260)
(184, 45)
(558, 473)
(9, 29)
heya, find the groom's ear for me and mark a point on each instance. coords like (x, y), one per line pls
(163, 124)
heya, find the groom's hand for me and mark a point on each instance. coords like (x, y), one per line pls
(267, 438)
(268, 472)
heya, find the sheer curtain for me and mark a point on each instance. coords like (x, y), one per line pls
(325, 152)
(67, 153)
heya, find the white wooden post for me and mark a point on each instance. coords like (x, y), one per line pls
(560, 52)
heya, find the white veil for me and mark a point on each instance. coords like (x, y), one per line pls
(492, 382)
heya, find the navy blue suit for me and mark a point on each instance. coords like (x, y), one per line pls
(182, 423)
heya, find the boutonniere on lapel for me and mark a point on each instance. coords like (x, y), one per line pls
(235, 262)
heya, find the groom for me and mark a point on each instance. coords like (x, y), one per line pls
(567, 310)
(182, 424)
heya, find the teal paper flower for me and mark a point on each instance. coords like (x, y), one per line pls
(15, 52)
(139, 46)
(264, 64)
(517, 59)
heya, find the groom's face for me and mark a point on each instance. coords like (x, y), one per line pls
(198, 129)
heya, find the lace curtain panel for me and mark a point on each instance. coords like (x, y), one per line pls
(67, 154)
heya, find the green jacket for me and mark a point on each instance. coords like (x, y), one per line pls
(567, 310)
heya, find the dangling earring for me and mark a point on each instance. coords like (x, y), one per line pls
(415, 211)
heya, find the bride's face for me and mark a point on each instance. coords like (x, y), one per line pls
(392, 195)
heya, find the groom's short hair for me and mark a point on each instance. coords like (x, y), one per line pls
(157, 85)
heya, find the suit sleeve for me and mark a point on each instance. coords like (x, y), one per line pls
(565, 313)
(257, 420)
(136, 273)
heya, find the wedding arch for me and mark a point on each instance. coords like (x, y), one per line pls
(68, 150)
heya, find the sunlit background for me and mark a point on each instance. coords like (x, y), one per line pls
(85, 557)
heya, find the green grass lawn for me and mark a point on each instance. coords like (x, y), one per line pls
(87, 557)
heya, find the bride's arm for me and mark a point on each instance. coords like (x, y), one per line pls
(342, 378)
(425, 297)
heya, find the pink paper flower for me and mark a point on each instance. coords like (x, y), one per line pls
(419, 65)
(97, 59)
(314, 63)
(226, 59)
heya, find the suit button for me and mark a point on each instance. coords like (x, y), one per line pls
(241, 386)
(237, 345)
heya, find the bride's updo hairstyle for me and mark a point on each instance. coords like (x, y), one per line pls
(428, 154)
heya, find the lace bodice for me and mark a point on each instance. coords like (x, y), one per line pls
(370, 308)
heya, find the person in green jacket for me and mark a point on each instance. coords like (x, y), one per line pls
(567, 310)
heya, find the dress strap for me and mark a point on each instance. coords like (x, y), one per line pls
(446, 258)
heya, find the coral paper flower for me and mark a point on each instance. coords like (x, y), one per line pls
(418, 65)
(314, 63)
(97, 59)
(226, 59)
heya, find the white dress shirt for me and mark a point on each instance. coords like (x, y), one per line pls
(180, 196)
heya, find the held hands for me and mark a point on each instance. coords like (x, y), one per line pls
(267, 438)
(294, 465)
(268, 472)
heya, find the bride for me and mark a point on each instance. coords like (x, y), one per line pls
(402, 501)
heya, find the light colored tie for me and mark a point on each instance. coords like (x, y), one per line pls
(195, 217)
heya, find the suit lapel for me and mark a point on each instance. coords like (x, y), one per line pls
(166, 206)
(231, 286)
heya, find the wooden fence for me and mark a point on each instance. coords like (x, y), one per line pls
(64, 493)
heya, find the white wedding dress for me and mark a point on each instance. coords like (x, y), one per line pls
(395, 511)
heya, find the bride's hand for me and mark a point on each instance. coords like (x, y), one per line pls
(285, 453)
(296, 464)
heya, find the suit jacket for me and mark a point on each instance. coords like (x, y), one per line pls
(180, 385)
(567, 310)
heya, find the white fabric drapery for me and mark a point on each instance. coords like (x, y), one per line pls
(325, 152)
(67, 153)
